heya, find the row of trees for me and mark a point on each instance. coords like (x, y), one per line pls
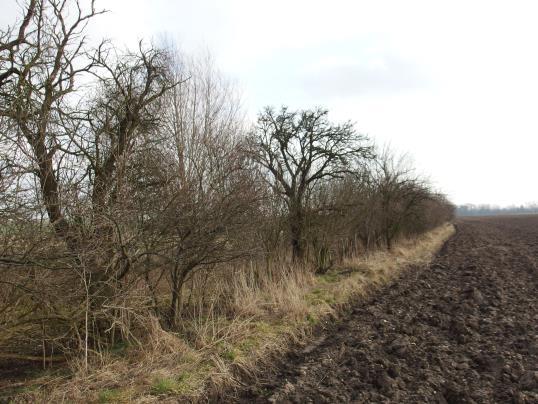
(124, 173)
(488, 210)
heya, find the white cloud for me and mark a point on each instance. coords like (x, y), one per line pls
(384, 75)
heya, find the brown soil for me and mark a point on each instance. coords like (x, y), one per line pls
(462, 330)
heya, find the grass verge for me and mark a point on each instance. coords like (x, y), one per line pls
(262, 318)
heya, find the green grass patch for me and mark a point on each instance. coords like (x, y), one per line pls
(110, 396)
(319, 296)
(164, 385)
(311, 319)
(168, 385)
(248, 344)
(229, 354)
(329, 277)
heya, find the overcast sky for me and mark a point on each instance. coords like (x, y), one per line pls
(453, 83)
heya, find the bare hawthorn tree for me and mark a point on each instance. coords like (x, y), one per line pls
(206, 205)
(79, 144)
(399, 191)
(112, 135)
(40, 69)
(299, 150)
(47, 61)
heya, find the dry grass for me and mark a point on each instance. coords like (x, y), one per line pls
(249, 318)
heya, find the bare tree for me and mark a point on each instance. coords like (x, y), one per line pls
(299, 150)
(78, 144)
(112, 135)
(400, 192)
(47, 61)
(207, 204)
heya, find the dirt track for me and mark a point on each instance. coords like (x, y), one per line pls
(465, 329)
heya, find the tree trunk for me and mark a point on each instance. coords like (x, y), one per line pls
(296, 229)
(178, 278)
(388, 239)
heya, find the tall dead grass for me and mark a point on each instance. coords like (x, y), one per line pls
(230, 325)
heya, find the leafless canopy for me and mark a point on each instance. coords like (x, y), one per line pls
(301, 149)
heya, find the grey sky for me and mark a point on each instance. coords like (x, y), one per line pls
(454, 83)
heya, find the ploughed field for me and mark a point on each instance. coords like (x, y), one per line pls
(462, 330)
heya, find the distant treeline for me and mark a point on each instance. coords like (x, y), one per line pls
(485, 210)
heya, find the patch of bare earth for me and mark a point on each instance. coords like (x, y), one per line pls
(462, 330)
